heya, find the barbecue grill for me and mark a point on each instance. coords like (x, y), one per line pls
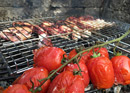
(17, 57)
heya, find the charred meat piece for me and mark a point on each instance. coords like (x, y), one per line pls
(79, 30)
(93, 24)
(45, 42)
(20, 23)
(16, 33)
(56, 29)
(42, 34)
(46, 24)
(40, 31)
(71, 21)
(86, 18)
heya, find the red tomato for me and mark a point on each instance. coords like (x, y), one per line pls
(34, 74)
(102, 51)
(71, 67)
(73, 53)
(87, 56)
(48, 57)
(101, 72)
(17, 88)
(121, 65)
(66, 82)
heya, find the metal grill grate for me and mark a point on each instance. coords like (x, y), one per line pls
(18, 56)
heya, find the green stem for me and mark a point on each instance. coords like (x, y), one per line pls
(114, 50)
(98, 50)
(77, 62)
(100, 45)
(79, 67)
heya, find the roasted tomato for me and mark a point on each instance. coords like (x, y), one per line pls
(17, 88)
(101, 72)
(74, 52)
(121, 65)
(48, 57)
(1, 89)
(87, 55)
(66, 82)
(71, 67)
(102, 51)
(34, 75)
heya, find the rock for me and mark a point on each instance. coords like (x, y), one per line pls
(69, 11)
(116, 4)
(11, 13)
(12, 3)
(3, 12)
(92, 11)
(86, 3)
(61, 3)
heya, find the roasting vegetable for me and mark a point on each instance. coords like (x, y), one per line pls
(17, 88)
(87, 55)
(1, 89)
(73, 52)
(66, 82)
(121, 65)
(34, 75)
(48, 57)
(101, 72)
(84, 71)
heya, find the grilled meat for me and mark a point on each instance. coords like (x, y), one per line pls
(20, 23)
(93, 24)
(45, 42)
(56, 29)
(71, 28)
(16, 33)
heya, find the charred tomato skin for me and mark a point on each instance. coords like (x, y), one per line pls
(66, 82)
(34, 74)
(87, 55)
(101, 72)
(17, 88)
(73, 53)
(71, 67)
(48, 57)
(121, 65)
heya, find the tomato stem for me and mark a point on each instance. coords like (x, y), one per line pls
(77, 62)
(32, 85)
(118, 53)
(100, 45)
(63, 59)
(98, 50)
(114, 50)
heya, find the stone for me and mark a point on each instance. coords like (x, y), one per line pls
(86, 3)
(116, 4)
(46, 4)
(12, 3)
(61, 3)
(34, 3)
(11, 12)
(42, 13)
(92, 11)
(69, 11)
(3, 12)
(78, 3)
